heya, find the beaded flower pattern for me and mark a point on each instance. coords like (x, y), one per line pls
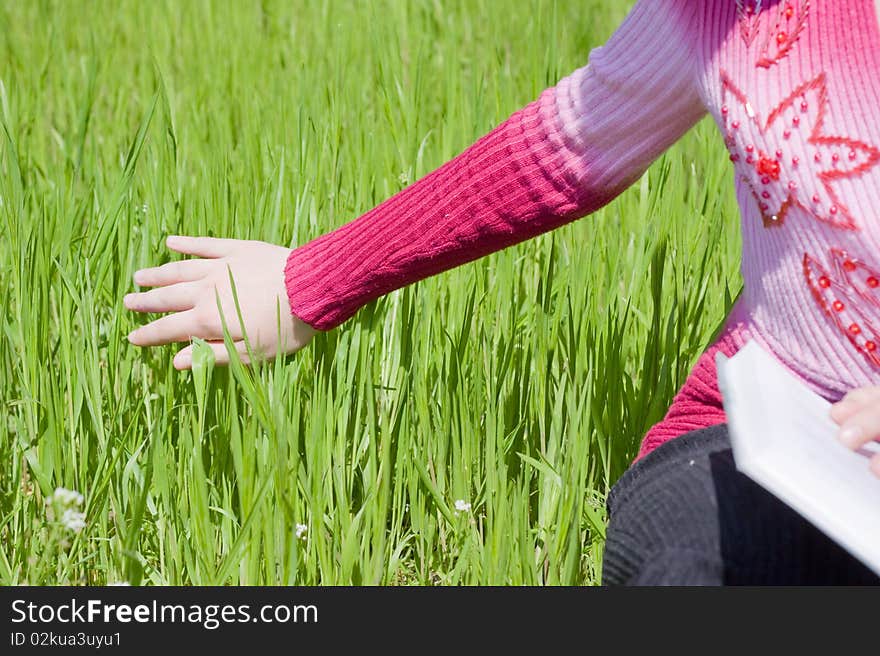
(798, 166)
(842, 293)
(787, 159)
(775, 31)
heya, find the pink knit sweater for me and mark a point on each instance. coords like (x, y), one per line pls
(794, 87)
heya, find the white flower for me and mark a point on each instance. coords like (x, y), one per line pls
(63, 503)
(65, 498)
(462, 506)
(301, 531)
(73, 520)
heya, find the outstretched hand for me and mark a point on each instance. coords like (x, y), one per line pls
(189, 289)
(858, 414)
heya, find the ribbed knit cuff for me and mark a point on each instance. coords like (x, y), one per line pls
(557, 159)
(512, 184)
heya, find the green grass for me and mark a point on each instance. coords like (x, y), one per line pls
(521, 384)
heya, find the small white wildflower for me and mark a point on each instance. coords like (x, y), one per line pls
(144, 208)
(62, 506)
(301, 531)
(65, 498)
(403, 178)
(73, 520)
(462, 506)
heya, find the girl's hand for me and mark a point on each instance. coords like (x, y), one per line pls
(188, 288)
(858, 414)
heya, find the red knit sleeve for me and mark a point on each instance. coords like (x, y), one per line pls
(559, 158)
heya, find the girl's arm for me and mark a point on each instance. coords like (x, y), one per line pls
(568, 153)
(559, 158)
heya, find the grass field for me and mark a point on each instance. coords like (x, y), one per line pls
(520, 384)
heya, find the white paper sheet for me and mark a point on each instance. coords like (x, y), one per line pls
(784, 438)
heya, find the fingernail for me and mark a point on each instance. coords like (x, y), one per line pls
(138, 277)
(850, 435)
(183, 361)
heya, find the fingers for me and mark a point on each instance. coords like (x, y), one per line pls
(854, 401)
(858, 414)
(172, 272)
(177, 327)
(862, 395)
(843, 410)
(202, 246)
(200, 321)
(861, 427)
(183, 359)
(174, 298)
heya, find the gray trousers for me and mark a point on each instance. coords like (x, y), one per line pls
(683, 515)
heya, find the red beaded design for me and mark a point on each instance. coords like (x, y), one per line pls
(748, 12)
(864, 279)
(798, 163)
(833, 293)
(781, 27)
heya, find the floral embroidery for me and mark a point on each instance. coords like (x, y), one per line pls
(778, 41)
(797, 162)
(834, 294)
(784, 25)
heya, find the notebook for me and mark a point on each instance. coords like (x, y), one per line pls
(784, 438)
